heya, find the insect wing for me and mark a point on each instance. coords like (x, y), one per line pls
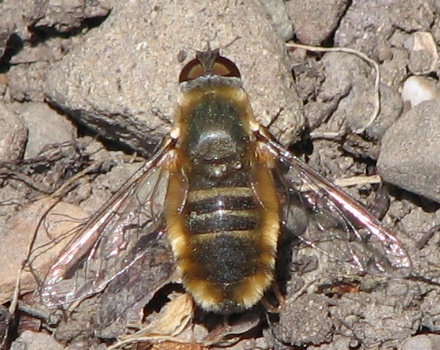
(113, 239)
(342, 228)
(130, 291)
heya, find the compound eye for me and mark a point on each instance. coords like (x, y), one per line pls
(193, 70)
(202, 66)
(225, 68)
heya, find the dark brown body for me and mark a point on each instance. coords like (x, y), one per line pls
(225, 237)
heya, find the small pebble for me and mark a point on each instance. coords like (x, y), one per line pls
(417, 89)
(423, 54)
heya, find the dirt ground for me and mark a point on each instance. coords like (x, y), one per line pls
(87, 91)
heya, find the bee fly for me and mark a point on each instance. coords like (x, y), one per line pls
(212, 190)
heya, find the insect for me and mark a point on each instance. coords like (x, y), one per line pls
(215, 191)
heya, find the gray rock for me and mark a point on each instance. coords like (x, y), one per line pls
(45, 127)
(410, 151)
(65, 15)
(383, 314)
(6, 30)
(417, 89)
(350, 79)
(98, 8)
(423, 53)
(393, 71)
(304, 320)
(122, 81)
(278, 13)
(422, 342)
(14, 17)
(26, 81)
(35, 341)
(391, 107)
(338, 343)
(13, 133)
(29, 66)
(48, 51)
(315, 20)
(367, 24)
(431, 311)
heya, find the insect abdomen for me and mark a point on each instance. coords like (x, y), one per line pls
(223, 227)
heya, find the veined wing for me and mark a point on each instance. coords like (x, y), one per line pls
(130, 291)
(114, 238)
(353, 236)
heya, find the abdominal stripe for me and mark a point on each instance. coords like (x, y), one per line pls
(211, 211)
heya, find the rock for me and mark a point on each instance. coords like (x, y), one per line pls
(14, 135)
(350, 78)
(431, 310)
(278, 13)
(410, 151)
(98, 8)
(26, 81)
(315, 20)
(423, 54)
(29, 66)
(14, 21)
(49, 51)
(45, 127)
(62, 16)
(36, 341)
(422, 342)
(367, 24)
(304, 320)
(417, 89)
(394, 71)
(391, 107)
(6, 30)
(133, 100)
(338, 343)
(378, 316)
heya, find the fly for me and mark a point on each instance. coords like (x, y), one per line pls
(213, 191)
